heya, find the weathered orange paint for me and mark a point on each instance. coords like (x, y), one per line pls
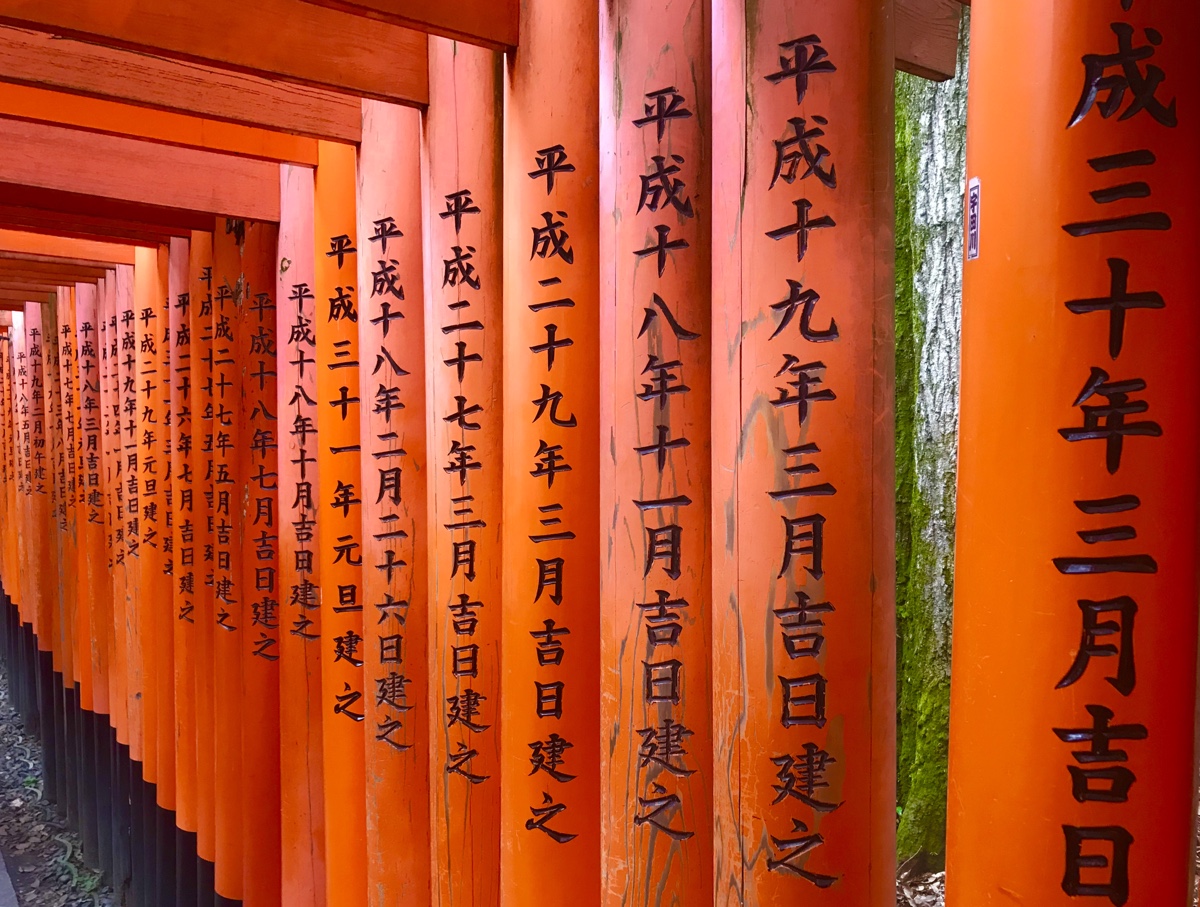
(145, 509)
(335, 277)
(302, 779)
(230, 474)
(1023, 486)
(91, 521)
(656, 769)
(391, 350)
(40, 594)
(200, 280)
(551, 99)
(464, 135)
(183, 530)
(258, 529)
(798, 526)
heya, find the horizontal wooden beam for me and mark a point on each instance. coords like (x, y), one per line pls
(489, 23)
(283, 39)
(38, 245)
(69, 273)
(30, 286)
(15, 298)
(40, 105)
(124, 169)
(106, 228)
(927, 37)
(11, 257)
(59, 64)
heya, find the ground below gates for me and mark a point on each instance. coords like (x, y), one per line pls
(42, 855)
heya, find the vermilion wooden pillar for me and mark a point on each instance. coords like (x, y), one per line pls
(94, 570)
(114, 476)
(258, 528)
(20, 391)
(395, 584)
(62, 593)
(230, 475)
(803, 520)
(550, 748)
(464, 132)
(1074, 680)
(200, 282)
(147, 505)
(183, 531)
(340, 558)
(301, 715)
(656, 771)
(39, 484)
(20, 379)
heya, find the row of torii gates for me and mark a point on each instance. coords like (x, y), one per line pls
(447, 453)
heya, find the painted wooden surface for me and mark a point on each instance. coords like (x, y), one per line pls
(803, 620)
(550, 806)
(287, 39)
(24, 102)
(340, 558)
(57, 158)
(229, 478)
(392, 488)
(487, 23)
(464, 313)
(200, 317)
(301, 714)
(655, 376)
(1098, 319)
(74, 67)
(258, 528)
(183, 566)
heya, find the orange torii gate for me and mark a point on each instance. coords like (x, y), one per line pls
(553, 557)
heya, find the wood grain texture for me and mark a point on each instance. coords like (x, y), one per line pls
(284, 39)
(489, 23)
(927, 37)
(56, 158)
(16, 244)
(43, 105)
(60, 64)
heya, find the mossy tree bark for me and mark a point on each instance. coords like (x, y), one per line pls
(930, 182)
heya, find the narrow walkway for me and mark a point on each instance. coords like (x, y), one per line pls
(41, 855)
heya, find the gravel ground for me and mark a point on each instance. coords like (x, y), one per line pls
(41, 853)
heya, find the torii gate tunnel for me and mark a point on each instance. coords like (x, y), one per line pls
(447, 450)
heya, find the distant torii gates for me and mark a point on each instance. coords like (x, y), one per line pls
(447, 450)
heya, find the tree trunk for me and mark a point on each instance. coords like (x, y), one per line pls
(930, 175)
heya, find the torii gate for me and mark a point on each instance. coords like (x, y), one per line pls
(447, 449)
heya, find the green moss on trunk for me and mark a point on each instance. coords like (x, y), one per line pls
(930, 132)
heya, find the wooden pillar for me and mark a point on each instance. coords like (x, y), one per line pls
(183, 530)
(656, 769)
(395, 585)
(301, 715)
(8, 497)
(230, 474)
(336, 291)
(20, 382)
(803, 590)
(94, 570)
(114, 481)
(464, 135)
(200, 281)
(43, 584)
(60, 315)
(1079, 280)
(551, 538)
(148, 505)
(259, 532)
